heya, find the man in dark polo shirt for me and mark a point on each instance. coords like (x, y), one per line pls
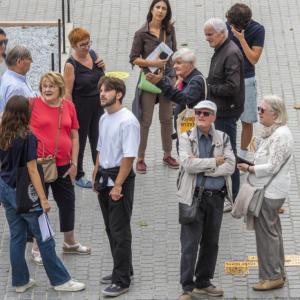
(249, 36)
(226, 85)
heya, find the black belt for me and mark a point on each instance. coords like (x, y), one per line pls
(210, 193)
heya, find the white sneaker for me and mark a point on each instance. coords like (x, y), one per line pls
(227, 205)
(25, 287)
(36, 257)
(70, 286)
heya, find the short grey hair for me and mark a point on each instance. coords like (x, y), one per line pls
(17, 52)
(218, 25)
(186, 54)
(278, 107)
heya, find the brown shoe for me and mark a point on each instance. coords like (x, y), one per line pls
(141, 167)
(266, 285)
(185, 296)
(211, 290)
(171, 162)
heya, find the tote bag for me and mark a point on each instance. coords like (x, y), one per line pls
(26, 197)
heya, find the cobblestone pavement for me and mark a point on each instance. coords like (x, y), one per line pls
(156, 248)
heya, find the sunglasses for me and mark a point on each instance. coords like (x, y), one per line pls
(4, 42)
(262, 110)
(204, 113)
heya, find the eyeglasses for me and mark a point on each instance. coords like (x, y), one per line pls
(262, 110)
(85, 45)
(204, 113)
(4, 42)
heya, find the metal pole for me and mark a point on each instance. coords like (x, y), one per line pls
(68, 10)
(52, 61)
(63, 26)
(59, 45)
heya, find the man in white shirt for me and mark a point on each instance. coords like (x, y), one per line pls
(14, 81)
(113, 179)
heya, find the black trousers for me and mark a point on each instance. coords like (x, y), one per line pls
(205, 231)
(89, 112)
(117, 216)
(64, 196)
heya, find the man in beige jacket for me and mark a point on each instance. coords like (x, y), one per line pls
(195, 160)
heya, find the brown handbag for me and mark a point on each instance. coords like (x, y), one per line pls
(49, 163)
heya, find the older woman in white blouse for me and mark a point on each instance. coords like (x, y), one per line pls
(273, 154)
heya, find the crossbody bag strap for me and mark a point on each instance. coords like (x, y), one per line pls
(59, 127)
(270, 180)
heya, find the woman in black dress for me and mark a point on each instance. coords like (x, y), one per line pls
(83, 69)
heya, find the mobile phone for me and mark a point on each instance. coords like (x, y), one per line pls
(163, 55)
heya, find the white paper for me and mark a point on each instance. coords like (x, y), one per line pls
(162, 47)
(45, 227)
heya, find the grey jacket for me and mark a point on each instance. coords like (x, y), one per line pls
(191, 164)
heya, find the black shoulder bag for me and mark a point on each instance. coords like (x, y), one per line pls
(188, 213)
(26, 197)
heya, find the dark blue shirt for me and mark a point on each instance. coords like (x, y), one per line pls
(205, 144)
(20, 152)
(255, 37)
(193, 91)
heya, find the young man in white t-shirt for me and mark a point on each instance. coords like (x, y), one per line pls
(113, 179)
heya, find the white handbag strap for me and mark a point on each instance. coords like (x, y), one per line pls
(273, 176)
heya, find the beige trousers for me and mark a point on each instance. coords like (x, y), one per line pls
(269, 242)
(165, 117)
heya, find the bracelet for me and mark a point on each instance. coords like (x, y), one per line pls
(73, 164)
(248, 169)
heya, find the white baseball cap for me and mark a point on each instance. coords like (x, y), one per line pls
(206, 104)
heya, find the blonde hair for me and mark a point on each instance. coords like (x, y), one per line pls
(278, 107)
(57, 79)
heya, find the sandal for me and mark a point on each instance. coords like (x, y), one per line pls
(36, 257)
(76, 249)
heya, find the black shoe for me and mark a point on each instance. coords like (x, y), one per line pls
(114, 290)
(106, 279)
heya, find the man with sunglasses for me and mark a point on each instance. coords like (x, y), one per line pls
(14, 81)
(249, 36)
(207, 162)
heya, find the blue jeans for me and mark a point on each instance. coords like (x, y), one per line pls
(228, 125)
(18, 225)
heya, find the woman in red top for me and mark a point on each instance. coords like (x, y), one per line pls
(44, 124)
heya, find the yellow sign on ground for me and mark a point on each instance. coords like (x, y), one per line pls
(289, 260)
(242, 267)
(117, 74)
(236, 268)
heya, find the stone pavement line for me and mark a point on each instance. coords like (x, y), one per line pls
(156, 248)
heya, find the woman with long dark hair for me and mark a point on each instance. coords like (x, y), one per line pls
(157, 29)
(18, 144)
